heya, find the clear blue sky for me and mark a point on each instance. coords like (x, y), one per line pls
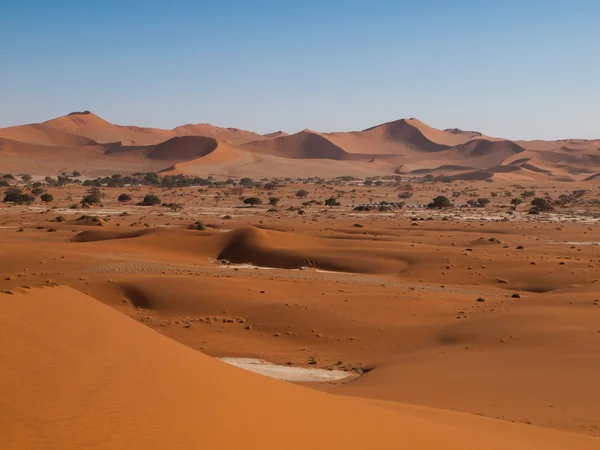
(512, 68)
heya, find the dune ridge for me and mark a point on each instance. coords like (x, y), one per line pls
(408, 144)
(99, 368)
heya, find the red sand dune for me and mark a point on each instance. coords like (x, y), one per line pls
(77, 374)
(408, 144)
(303, 145)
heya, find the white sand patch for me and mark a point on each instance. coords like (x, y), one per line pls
(286, 373)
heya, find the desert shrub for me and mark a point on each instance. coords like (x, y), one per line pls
(483, 201)
(252, 201)
(331, 202)
(528, 194)
(124, 198)
(440, 201)
(405, 195)
(198, 225)
(47, 198)
(273, 201)
(15, 195)
(516, 201)
(93, 197)
(150, 200)
(302, 193)
(175, 206)
(541, 205)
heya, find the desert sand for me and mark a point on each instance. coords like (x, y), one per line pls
(474, 325)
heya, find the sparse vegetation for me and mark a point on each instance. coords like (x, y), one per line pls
(150, 200)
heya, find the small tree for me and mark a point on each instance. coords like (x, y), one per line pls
(331, 202)
(483, 201)
(47, 198)
(302, 193)
(150, 200)
(93, 197)
(252, 201)
(440, 202)
(516, 201)
(273, 201)
(124, 198)
(541, 205)
(405, 195)
(13, 195)
(26, 178)
(175, 206)
(27, 199)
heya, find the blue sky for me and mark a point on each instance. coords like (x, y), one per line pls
(517, 69)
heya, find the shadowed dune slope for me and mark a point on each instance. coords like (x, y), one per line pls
(100, 380)
(406, 131)
(89, 125)
(264, 248)
(183, 148)
(232, 136)
(41, 134)
(484, 154)
(303, 145)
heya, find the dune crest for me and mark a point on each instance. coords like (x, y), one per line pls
(99, 367)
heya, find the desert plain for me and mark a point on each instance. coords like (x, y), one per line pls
(451, 278)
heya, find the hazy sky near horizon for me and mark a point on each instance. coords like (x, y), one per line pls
(520, 69)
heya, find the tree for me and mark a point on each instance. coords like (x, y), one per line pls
(541, 205)
(405, 195)
(175, 206)
(368, 182)
(93, 197)
(516, 201)
(27, 199)
(26, 178)
(483, 201)
(252, 201)
(440, 202)
(302, 193)
(150, 200)
(331, 202)
(124, 198)
(76, 173)
(13, 195)
(46, 198)
(273, 201)
(528, 194)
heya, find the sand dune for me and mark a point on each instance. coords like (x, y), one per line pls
(40, 134)
(276, 134)
(183, 148)
(401, 146)
(413, 133)
(303, 145)
(100, 380)
(483, 153)
(89, 125)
